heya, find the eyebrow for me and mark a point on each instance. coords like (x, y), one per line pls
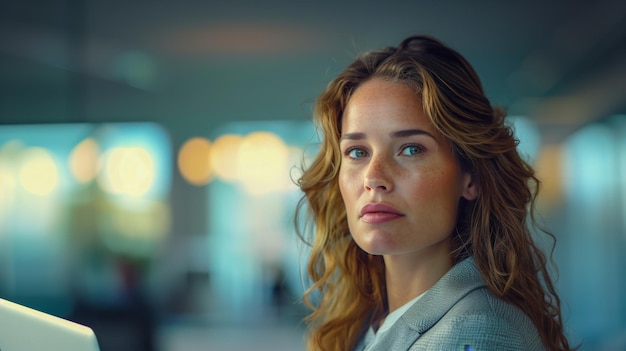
(397, 134)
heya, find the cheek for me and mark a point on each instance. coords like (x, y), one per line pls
(438, 191)
(344, 186)
(346, 179)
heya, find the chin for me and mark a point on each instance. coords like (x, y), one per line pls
(377, 246)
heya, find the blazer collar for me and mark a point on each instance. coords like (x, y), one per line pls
(459, 281)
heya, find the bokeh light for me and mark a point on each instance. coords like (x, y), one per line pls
(38, 172)
(83, 160)
(194, 161)
(548, 166)
(223, 155)
(262, 162)
(127, 171)
(142, 161)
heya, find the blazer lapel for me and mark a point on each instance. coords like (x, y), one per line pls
(460, 280)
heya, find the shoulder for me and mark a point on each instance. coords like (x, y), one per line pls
(481, 321)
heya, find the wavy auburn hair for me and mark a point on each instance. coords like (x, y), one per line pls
(349, 284)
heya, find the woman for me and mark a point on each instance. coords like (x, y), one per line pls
(418, 205)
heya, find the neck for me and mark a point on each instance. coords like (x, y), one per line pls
(409, 277)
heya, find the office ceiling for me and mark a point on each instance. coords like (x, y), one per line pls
(195, 65)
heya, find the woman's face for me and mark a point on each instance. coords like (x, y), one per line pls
(399, 178)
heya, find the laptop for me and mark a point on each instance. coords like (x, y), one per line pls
(26, 329)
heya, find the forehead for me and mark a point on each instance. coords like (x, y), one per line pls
(384, 103)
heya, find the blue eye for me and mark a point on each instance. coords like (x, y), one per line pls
(412, 150)
(356, 153)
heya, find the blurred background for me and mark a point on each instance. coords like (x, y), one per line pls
(147, 152)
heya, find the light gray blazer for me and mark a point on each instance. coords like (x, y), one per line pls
(459, 313)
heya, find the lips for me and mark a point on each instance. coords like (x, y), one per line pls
(376, 213)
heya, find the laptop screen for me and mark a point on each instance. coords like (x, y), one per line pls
(26, 329)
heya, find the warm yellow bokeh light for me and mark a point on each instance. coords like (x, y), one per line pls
(38, 172)
(223, 156)
(548, 168)
(262, 162)
(194, 161)
(128, 171)
(83, 160)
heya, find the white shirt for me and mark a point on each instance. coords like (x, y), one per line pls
(372, 335)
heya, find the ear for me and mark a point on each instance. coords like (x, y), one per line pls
(470, 188)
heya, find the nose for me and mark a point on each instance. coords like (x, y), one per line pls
(377, 176)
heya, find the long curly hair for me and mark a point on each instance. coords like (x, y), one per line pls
(347, 290)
